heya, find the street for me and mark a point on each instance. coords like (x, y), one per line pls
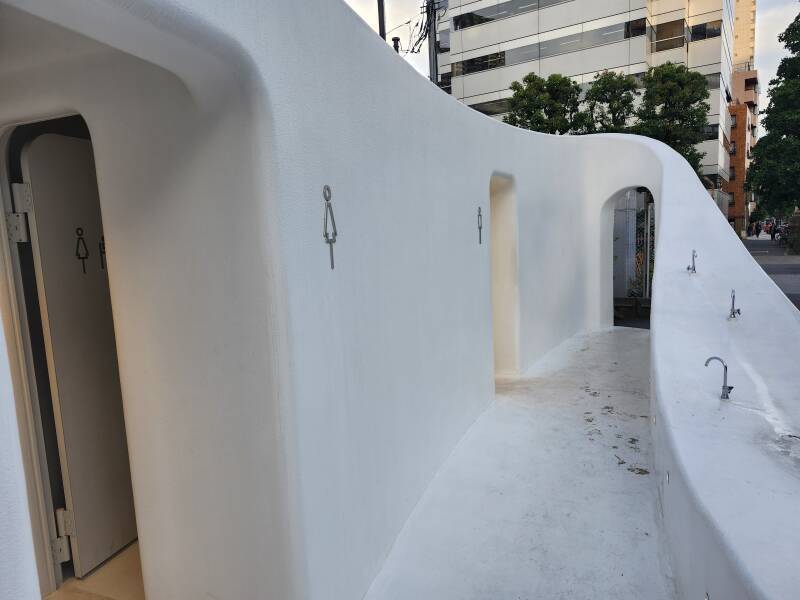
(782, 268)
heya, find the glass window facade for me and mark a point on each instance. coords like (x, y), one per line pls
(562, 45)
(503, 10)
(704, 31)
(713, 81)
(712, 132)
(445, 82)
(443, 43)
(493, 107)
(669, 35)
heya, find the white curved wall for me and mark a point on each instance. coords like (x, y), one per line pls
(298, 413)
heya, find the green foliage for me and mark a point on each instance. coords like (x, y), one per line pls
(549, 105)
(775, 172)
(674, 107)
(610, 102)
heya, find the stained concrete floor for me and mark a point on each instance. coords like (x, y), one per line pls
(119, 578)
(549, 494)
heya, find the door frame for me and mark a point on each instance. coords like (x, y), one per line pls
(26, 399)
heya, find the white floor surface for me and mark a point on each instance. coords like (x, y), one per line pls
(549, 495)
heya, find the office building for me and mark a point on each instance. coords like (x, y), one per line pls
(485, 45)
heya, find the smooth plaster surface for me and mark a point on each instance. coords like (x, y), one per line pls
(284, 419)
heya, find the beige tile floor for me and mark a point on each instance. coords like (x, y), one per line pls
(118, 579)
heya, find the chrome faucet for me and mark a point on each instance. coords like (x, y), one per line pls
(726, 389)
(734, 311)
(691, 268)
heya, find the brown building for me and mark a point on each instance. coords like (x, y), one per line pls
(744, 133)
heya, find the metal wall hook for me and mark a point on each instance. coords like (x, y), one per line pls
(726, 389)
(734, 311)
(327, 235)
(480, 226)
(691, 268)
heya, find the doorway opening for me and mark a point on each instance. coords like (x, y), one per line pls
(505, 278)
(82, 506)
(634, 257)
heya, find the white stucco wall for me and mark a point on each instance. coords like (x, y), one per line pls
(283, 418)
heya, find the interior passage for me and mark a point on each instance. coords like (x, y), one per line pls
(550, 494)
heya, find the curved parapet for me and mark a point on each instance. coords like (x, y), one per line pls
(729, 469)
(283, 416)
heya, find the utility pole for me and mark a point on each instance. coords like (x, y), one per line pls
(381, 20)
(433, 59)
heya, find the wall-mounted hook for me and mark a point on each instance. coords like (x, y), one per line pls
(102, 247)
(480, 226)
(734, 311)
(726, 389)
(691, 268)
(329, 236)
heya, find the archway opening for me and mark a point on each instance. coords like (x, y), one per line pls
(82, 507)
(634, 257)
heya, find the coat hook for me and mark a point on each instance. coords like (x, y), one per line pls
(329, 236)
(691, 268)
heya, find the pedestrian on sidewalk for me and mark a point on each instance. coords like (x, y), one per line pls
(758, 229)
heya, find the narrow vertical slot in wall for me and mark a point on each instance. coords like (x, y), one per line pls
(505, 276)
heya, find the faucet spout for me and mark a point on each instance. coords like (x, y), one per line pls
(726, 389)
(734, 311)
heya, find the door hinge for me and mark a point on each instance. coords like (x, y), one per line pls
(65, 523)
(61, 551)
(23, 197)
(17, 227)
(65, 527)
(17, 221)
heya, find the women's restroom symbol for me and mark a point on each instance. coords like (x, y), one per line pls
(81, 251)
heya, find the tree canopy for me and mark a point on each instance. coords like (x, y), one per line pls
(674, 110)
(674, 106)
(549, 105)
(610, 102)
(775, 172)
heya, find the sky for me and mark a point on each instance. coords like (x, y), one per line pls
(397, 13)
(772, 17)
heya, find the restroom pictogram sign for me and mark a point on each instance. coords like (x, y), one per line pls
(81, 251)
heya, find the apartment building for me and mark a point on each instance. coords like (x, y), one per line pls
(744, 32)
(744, 113)
(485, 45)
(744, 134)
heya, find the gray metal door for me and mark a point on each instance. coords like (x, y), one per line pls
(69, 257)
